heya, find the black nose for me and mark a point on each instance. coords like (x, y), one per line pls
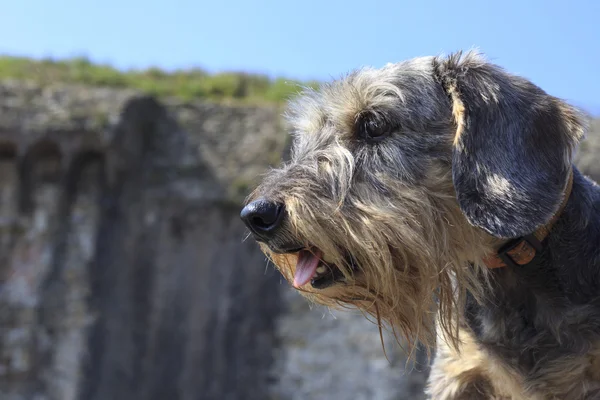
(263, 217)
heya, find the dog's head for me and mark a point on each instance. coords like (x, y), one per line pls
(402, 178)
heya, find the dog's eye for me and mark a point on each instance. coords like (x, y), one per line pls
(372, 128)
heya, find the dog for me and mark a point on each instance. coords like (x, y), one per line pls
(439, 195)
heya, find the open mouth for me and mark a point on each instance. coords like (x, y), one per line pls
(311, 267)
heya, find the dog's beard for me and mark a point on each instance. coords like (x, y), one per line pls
(405, 263)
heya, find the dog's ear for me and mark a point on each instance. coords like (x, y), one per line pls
(512, 149)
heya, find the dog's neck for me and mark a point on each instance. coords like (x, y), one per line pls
(522, 251)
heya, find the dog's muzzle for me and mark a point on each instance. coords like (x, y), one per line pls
(263, 217)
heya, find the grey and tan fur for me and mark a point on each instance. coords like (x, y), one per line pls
(405, 178)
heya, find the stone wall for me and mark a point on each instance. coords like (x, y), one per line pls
(124, 273)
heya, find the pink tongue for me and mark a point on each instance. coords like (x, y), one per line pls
(306, 266)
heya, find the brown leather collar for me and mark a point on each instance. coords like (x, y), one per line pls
(521, 251)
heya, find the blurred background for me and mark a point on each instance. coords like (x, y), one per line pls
(130, 132)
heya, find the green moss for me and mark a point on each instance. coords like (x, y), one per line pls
(240, 188)
(187, 84)
(100, 120)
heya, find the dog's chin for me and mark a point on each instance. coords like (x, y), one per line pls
(321, 273)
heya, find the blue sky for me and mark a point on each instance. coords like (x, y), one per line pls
(554, 43)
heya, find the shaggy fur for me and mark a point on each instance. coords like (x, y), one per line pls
(405, 178)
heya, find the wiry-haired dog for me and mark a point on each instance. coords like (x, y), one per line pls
(438, 194)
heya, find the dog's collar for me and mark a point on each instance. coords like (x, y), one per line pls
(521, 251)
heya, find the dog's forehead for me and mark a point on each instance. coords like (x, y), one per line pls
(404, 88)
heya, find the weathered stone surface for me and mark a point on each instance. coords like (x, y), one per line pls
(123, 269)
(588, 157)
(237, 142)
(124, 273)
(328, 354)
